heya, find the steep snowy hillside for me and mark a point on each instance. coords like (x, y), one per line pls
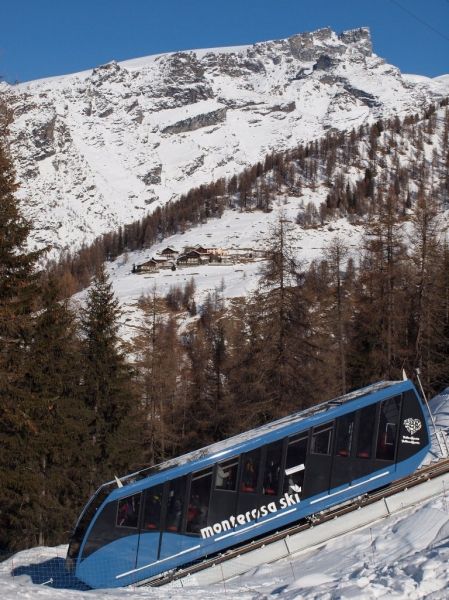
(101, 148)
(330, 194)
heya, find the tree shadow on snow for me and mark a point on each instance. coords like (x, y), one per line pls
(51, 573)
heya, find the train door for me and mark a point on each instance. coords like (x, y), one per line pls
(198, 503)
(173, 520)
(342, 468)
(319, 460)
(150, 531)
(364, 450)
(272, 471)
(249, 485)
(296, 463)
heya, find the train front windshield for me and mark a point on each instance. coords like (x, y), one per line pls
(83, 524)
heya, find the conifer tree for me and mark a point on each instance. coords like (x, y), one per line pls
(18, 291)
(379, 324)
(108, 388)
(57, 448)
(209, 416)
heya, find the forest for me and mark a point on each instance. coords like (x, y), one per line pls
(78, 405)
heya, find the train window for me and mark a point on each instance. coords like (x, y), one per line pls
(226, 475)
(175, 504)
(103, 531)
(152, 508)
(198, 506)
(321, 439)
(128, 512)
(345, 429)
(250, 470)
(367, 419)
(272, 470)
(295, 463)
(388, 427)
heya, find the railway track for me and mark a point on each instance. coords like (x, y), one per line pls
(397, 496)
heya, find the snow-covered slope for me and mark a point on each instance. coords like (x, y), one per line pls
(403, 557)
(234, 231)
(101, 148)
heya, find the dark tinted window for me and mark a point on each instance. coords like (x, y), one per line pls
(85, 519)
(226, 475)
(272, 470)
(366, 430)
(388, 428)
(152, 509)
(106, 529)
(321, 439)
(250, 470)
(198, 505)
(295, 463)
(345, 430)
(175, 504)
(128, 511)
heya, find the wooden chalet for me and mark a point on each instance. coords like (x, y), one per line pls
(150, 266)
(169, 252)
(193, 257)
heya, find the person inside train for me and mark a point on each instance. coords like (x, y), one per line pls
(249, 477)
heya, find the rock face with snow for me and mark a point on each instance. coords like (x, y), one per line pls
(102, 148)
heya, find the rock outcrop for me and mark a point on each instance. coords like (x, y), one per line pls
(94, 150)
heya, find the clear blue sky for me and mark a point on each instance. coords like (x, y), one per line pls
(40, 38)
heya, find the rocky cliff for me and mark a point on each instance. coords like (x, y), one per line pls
(101, 148)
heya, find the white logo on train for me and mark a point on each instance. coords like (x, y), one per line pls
(412, 426)
(244, 518)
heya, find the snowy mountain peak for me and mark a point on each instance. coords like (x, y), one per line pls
(101, 148)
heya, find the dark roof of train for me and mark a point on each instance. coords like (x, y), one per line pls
(220, 447)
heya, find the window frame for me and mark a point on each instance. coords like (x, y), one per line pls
(359, 453)
(351, 418)
(139, 509)
(161, 509)
(193, 476)
(218, 465)
(257, 462)
(324, 427)
(397, 426)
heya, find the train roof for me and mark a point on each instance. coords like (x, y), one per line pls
(221, 448)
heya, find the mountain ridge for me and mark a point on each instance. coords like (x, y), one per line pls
(101, 148)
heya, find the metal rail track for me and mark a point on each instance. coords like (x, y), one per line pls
(419, 477)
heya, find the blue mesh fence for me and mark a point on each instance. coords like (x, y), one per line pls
(43, 566)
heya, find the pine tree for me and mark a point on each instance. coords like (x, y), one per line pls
(18, 292)
(209, 416)
(57, 448)
(108, 391)
(379, 324)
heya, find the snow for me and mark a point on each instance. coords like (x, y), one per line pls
(404, 557)
(235, 230)
(86, 144)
